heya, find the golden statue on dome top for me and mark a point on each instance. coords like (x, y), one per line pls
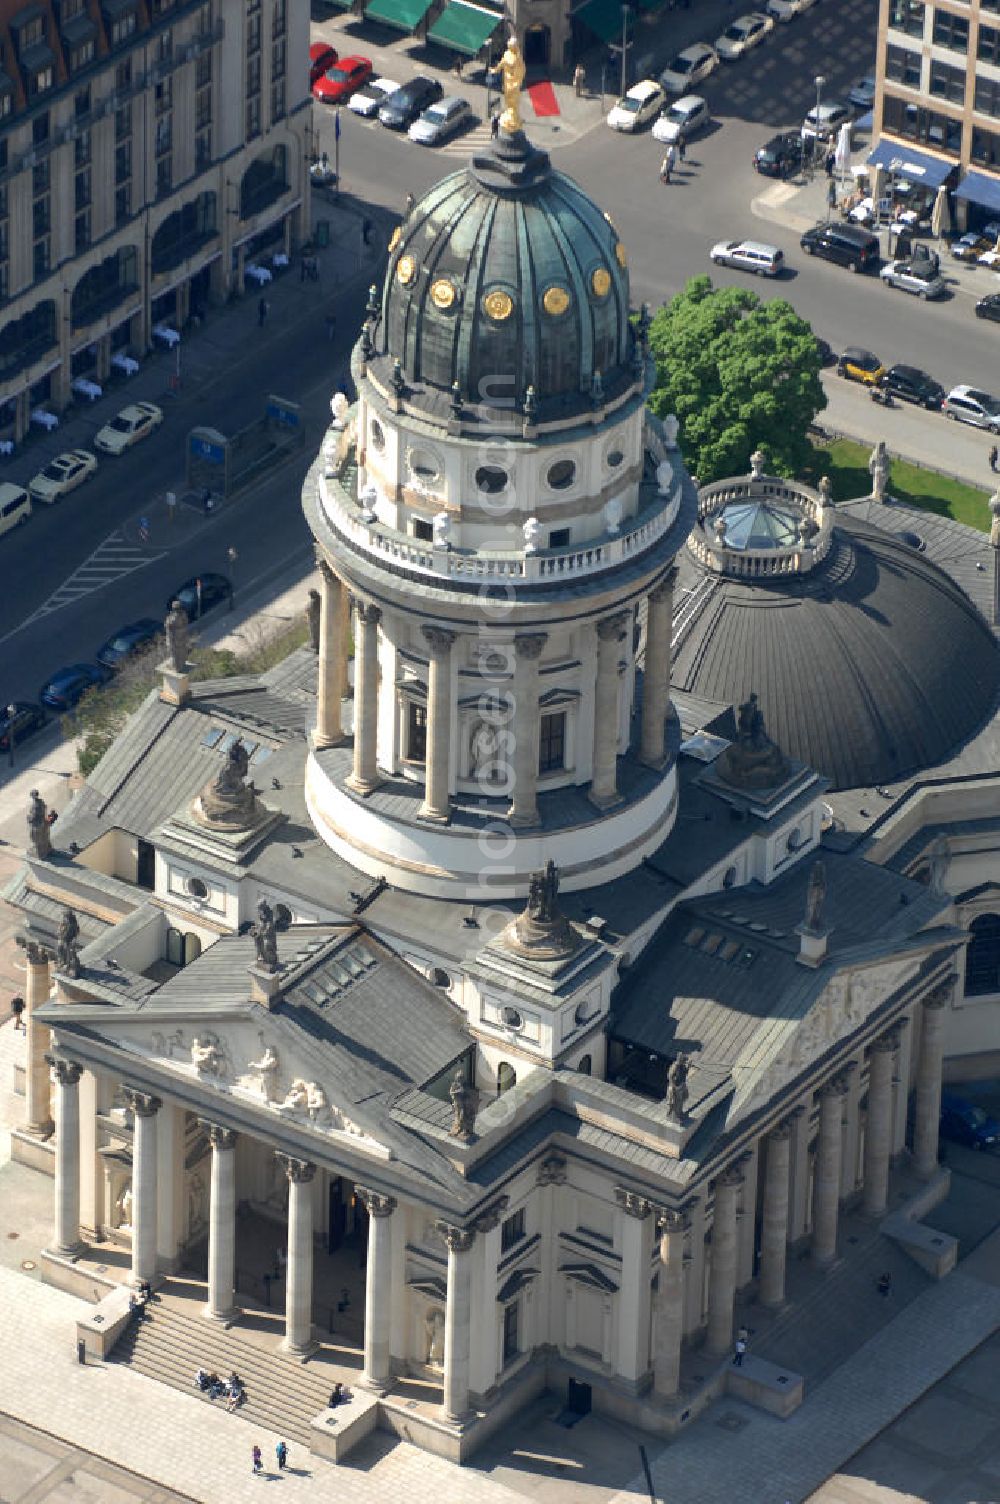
(512, 72)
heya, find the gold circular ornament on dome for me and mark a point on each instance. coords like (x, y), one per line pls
(600, 282)
(498, 305)
(621, 255)
(406, 270)
(395, 237)
(556, 301)
(442, 293)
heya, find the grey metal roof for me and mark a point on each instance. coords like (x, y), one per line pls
(871, 666)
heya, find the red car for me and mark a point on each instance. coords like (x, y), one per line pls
(321, 57)
(342, 80)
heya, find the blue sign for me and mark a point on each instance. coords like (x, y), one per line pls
(286, 414)
(204, 449)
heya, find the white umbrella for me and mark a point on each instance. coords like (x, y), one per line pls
(941, 216)
(878, 187)
(842, 155)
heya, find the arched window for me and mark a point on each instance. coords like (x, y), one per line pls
(982, 958)
(506, 1077)
(175, 947)
(585, 1065)
(265, 180)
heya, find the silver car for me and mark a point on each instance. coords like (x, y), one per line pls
(749, 256)
(921, 277)
(440, 121)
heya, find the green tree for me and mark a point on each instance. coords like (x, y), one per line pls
(738, 374)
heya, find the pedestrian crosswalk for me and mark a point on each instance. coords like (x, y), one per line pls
(116, 556)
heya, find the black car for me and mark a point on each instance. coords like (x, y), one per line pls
(781, 156)
(68, 685)
(846, 245)
(989, 307)
(20, 718)
(201, 594)
(402, 108)
(914, 385)
(128, 640)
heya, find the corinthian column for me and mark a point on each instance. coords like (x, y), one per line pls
(722, 1274)
(331, 683)
(604, 778)
(364, 777)
(222, 1224)
(144, 1109)
(38, 1084)
(774, 1231)
(669, 1306)
(458, 1322)
(927, 1114)
(656, 670)
(378, 1289)
(635, 1243)
(66, 1075)
(524, 798)
(437, 804)
(299, 1270)
(826, 1187)
(878, 1127)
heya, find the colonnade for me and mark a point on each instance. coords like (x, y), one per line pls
(609, 633)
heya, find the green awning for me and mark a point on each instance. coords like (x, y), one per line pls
(603, 18)
(464, 28)
(404, 15)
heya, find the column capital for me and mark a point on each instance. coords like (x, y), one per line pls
(301, 1171)
(887, 1043)
(369, 614)
(220, 1137)
(663, 591)
(553, 1170)
(835, 1087)
(781, 1131)
(438, 639)
(377, 1203)
(489, 1217)
(531, 645)
(670, 1219)
(142, 1103)
(612, 628)
(632, 1204)
(458, 1239)
(940, 996)
(35, 954)
(66, 1072)
(731, 1176)
(324, 566)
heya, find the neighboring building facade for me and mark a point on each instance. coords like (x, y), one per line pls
(937, 106)
(146, 150)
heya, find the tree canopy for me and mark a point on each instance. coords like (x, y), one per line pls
(738, 374)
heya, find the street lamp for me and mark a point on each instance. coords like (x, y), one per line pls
(819, 81)
(231, 558)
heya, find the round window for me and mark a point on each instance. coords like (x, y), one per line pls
(491, 479)
(561, 475)
(795, 839)
(196, 888)
(512, 1018)
(377, 436)
(614, 458)
(423, 465)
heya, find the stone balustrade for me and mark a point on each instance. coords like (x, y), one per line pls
(718, 556)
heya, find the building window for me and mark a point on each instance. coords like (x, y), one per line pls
(908, 16)
(81, 231)
(982, 956)
(988, 50)
(123, 162)
(39, 82)
(253, 33)
(40, 178)
(123, 208)
(926, 126)
(82, 149)
(164, 135)
(81, 55)
(40, 129)
(947, 83)
(41, 260)
(423, 530)
(164, 95)
(512, 1230)
(561, 475)
(203, 149)
(123, 122)
(253, 74)
(123, 76)
(903, 66)
(279, 18)
(69, 10)
(82, 189)
(81, 103)
(164, 47)
(41, 220)
(585, 1065)
(559, 537)
(253, 118)
(164, 175)
(552, 743)
(986, 148)
(278, 60)
(506, 1077)
(951, 31)
(416, 733)
(122, 28)
(510, 1322)
(988, 96)
(6, 105)
(277, 100)
(202, 108)
(203, 70)
(29, 33)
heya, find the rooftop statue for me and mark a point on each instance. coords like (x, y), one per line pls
(542, 929)
(753, 760)
(228, 800)
(67, 949)
(815, 898)
(677, 1087)
(265, 937)
(176, 628)
(512, 74)
(39, 830)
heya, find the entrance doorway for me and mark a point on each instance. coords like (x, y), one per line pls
(537, 46)
(416, 733)
(578, 1398)
(337, 1215)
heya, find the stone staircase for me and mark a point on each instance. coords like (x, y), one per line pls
(283, 1394)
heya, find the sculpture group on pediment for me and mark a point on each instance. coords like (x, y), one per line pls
(308, 1098)
(168, 1044)
(267, 1071)
(208, 1055)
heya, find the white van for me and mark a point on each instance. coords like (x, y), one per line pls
(15, 505)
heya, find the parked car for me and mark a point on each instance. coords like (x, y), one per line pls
(787, 10)
(971, 246)
(640, 105)
(201, 594)
(686, 117)
(68, 686)
(441, 121)
(914, 385)
(133, 423)
(689, 67)
(823, 125)
(969, 404)
(15, 505)
(743, 34)
(919, 276)
(402, 108)
(749, 256)
(128, 640)
(344, 78)
(989, 307)
(779, 157)
(20, 719)
(862, 94)
(846, 245)
(368, 101)
(856, 364)
(966, 1123)
(62, 475)
(321, 57)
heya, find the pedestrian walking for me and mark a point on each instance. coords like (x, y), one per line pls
(994, 456)
(495, 125)
(741, 1347)
(579, 79)
(830, 163)
(17, 1009)
(885, 1284)
(258, 1461)
(262, 311)
(281, 1452)
(681, 148)
(408, 210)
(668, 164)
